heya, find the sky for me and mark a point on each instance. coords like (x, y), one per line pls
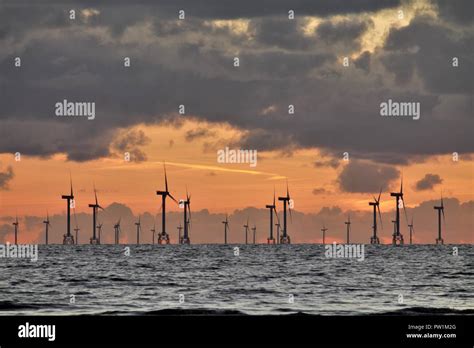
(335, 151)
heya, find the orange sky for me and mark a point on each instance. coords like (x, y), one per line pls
(38, 183)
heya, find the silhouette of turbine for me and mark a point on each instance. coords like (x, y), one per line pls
(163, 237)
(285, 238)
(68, 239)
(272, 208)
(440, 210)
(376, 204)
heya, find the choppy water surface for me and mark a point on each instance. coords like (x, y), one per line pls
(259, 281)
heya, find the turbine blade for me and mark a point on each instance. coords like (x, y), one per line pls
(166, 178)
(380, 216)
(404, 210)
(380, 194)
(291, 215)
(171, 196)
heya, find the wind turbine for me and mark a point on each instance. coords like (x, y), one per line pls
(187, 209)
(411, 229)
(400, 202)
(440, 210)
(376, 204)
(153, 230)
(163, 237)
(254, 229)
(285, 238)
(117, 231)
(95, 210)
(68, 239)
(226, 226)
(99, 228)
(272, 208)
(46, 226)
(246, 226)
(348, 224)
(179, 232)
(278, 232)
(139, 227)
(324, 229)
(77, 227)
(16, 229)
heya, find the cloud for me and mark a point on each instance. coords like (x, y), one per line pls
(425, 47)
(333, 163)
(198, 133)
(428, 182)
(5, 177)
(320, 191)
(346, 32)
(280, 32)
(363, 61)
(190, 63)
(363, 177)
(130, 141)
(458, 11)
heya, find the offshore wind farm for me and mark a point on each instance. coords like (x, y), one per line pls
(185, 205)
(236, 159)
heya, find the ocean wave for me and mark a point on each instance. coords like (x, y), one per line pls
(429, 311)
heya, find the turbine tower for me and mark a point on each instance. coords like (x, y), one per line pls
(254, 229)
(187, 209)
(226, 226)
(139, 227)
(153, 230)
(95, 210)
(163, 237)
(411, 230)
(68, 239)
(16, 230)
(99, 228)
(246, 226)
(272, 208)
(278, 232)
(348, 228)
(46, 226)
(376, 204)
(440, 209)
(324, 229)
(400, 202)
(117, 231)
(285, 238)
(76, 230)
(179, 232)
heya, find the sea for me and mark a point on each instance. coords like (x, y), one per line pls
(238, 280)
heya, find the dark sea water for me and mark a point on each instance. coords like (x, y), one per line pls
(259, 281)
